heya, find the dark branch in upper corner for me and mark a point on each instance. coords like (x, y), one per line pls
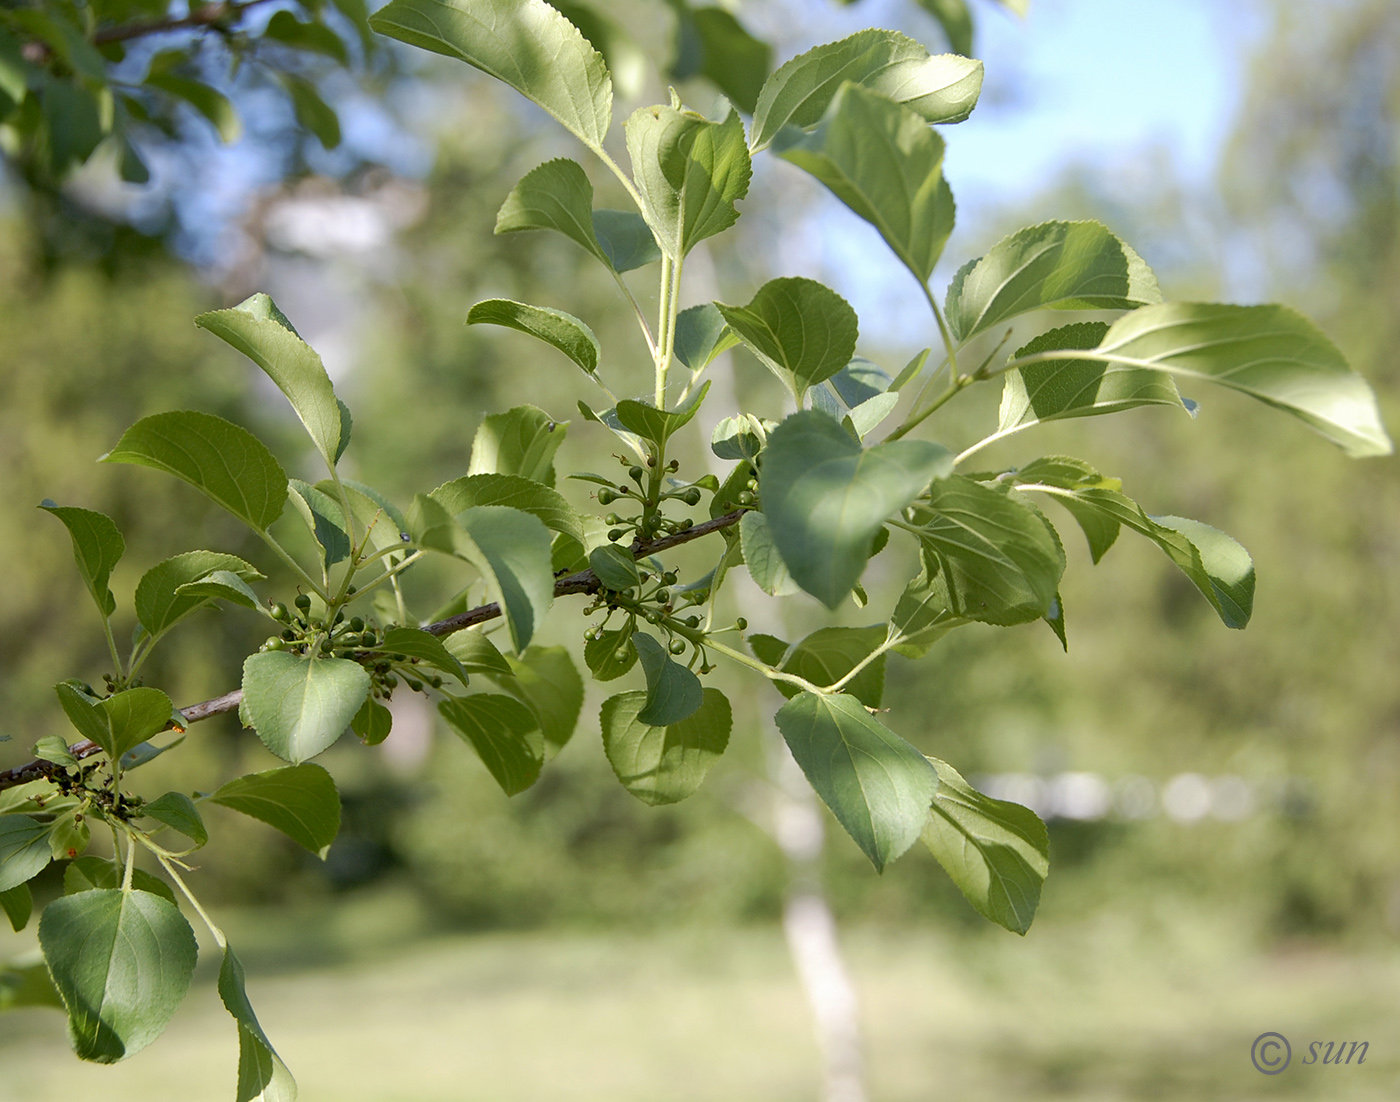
(206, 15)
(583, 581)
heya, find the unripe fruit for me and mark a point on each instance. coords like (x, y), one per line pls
(612, 518)
(303, 601)
(616, 534)
(687, 524)
(606, 497)
(414, 684)
(692, 621)
(635, 473)
(280, 613)
(668, 578)
(753, 484)
(692, 496)
(621, 654)
(357, 623)
(674, 465)
(741, 623)
(677, 646)
(745, 498)
(662, 596)
(289, 635)
(274, 643)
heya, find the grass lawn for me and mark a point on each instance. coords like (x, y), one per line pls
(1108, 1009)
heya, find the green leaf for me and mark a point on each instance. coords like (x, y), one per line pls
(286, 28)
(505, 734)
(735, 61)
(324, 519)
(766, 566)
(999, 561)
(97, 548)
(556, 196)
(511, 551)
(663, 765)
(300, 706)
(299, 800)
(1218, 566)
(829, 654)
(881, 160)
(373, 722)
(24, 850)
(802, 331)
(690, 171)
(658, 425)
(262, 1077)
(997, 853)
(27, 986)
(54, 748)
(956, 21)
(221, 585)
(564, 331)
(876, 784)
(870, 414)
(825, 497)
(209, 102)
(1059, 265)
(18, 905)
(942, 88)
(311, 110)
(601, 654)
(1078, 388)
(162, 600)
(378, 516)
(262, 333)
(701, 335)
(1067, 473)
(673, 692)
(524, 43)
(626, 239)
(546, 681)
(69, 835)
(515, 491)
(520, 441)
(859, 381)
(122, 721)
(177, 811)
(741, 437)
(1267, 352)
(122, 962)
(84, 874)
(476, 652)
(228, 464)
(614, 567)
(428, 649)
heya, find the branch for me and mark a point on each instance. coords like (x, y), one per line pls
(206, 16)
(583, 581)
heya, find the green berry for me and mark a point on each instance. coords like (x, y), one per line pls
(414, 684)
(662, 596)
(674, 465)
(606, 497)
(289, 635)
(745, 498)
(357, 623)
(353, 590)
(692, 496)
(677, 646)
(741, 624)
(616, 534)
(273, 643)
(621, 654)
(687, 524)
(668, 578)
(279, 613)
(635, 474)
(339, 619)
(303, 601)
(692, 621)
(753, 484)
(612, 518)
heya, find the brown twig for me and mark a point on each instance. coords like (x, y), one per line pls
(204, 16)
(583, 581)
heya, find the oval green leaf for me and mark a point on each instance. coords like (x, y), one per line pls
(564, 331)
(299, 800)
(801, 330)
(505, 734)
(663, 765)
(97, 548)
(876, 784)
(122, 962)
(300, 706)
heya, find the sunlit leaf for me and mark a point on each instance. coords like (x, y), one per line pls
(662, 765)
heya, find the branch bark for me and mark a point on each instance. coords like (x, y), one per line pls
(582, 581)
(204, 16)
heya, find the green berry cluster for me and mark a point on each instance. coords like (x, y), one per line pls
(650, 496)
